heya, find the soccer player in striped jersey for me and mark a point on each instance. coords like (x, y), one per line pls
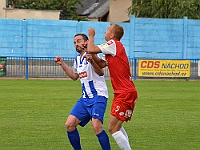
(92, 104)
(125, 93)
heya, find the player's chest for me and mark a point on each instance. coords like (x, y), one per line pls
(82, 65)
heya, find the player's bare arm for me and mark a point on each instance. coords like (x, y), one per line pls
(69, 71)
(100, 62)
(92, 49)
(96, 68)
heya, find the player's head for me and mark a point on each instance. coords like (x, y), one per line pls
(80, 42)
(114, 32)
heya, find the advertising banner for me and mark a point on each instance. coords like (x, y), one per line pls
(2, 66)
(164, 68)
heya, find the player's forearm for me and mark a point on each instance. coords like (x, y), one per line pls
(91, 45)
(100, 62)
(97, 69)
(69, 71)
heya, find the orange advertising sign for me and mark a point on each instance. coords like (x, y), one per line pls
(164, 68)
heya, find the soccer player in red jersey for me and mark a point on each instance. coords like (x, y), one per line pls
(125, 93)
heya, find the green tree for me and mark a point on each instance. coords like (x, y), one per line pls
(69, 10)
(165, 8)
(68, 7)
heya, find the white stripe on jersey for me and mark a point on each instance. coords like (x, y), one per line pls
(92, 83)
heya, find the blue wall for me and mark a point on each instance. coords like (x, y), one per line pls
(143, 38)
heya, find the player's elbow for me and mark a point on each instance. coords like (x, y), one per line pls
(102, 64)
(74, 77)
(101, 73)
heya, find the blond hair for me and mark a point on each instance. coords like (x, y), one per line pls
(118, 31)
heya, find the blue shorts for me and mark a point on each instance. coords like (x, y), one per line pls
(87, 108)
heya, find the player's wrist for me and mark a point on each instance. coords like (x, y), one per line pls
(61, 64)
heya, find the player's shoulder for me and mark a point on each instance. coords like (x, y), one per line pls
(110, 42)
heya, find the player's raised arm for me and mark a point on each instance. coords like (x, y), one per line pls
(92, 49)
(69, 71)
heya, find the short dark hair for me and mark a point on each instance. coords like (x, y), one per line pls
(85, 38)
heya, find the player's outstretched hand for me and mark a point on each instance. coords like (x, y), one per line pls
(91, 32)
(58, 60)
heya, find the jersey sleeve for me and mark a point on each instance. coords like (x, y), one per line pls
(108, 47)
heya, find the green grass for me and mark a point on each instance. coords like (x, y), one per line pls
(33, 113)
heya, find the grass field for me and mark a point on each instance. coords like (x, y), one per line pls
(33, 113)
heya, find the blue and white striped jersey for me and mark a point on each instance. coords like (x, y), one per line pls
(92, 83)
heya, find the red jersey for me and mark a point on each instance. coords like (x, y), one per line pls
(118, 66)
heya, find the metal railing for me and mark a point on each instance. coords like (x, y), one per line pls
(45, 67)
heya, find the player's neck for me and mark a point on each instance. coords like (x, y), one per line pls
(83, 52)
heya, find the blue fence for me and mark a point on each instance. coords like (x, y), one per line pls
(40, 67)
(28, 42)
(143, 38)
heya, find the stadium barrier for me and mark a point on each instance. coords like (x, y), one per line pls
(2, 66)
(45, 67)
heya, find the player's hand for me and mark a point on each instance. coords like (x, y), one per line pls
(89, 58)
(91, 32)
(58, 60)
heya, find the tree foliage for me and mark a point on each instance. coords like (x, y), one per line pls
(165, 8)
(67, 7)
